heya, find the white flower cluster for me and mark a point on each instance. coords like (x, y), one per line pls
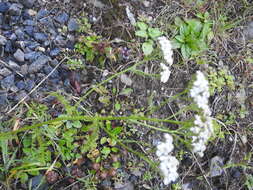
(166, 48)
(169, 163)
(165, 74)
(203, 127)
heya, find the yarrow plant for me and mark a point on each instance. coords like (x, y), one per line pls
(168, 163)
(166, 48)
(203, 128)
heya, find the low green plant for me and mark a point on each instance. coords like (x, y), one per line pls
(74, 64)
(219, 80)
(193, 35)
(94, 46)
(149, 35)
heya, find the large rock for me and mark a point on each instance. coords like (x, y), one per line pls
(38, 64)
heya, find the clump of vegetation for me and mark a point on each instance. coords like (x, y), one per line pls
(219, 80)
(193, 35)
(149, 34)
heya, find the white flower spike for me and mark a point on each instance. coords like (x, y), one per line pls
(203, 127)
(168, 163)
(166, 48)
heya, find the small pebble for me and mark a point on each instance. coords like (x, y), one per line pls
(19, 55)
(73, 25)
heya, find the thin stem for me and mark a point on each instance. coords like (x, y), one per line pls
(88, 118)
(157, 128)
(155, 108)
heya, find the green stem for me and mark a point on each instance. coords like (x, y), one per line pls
(157, 128)
(88, 118)
(155, 108)
(142, 156)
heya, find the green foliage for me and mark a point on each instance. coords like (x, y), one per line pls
(94, 46)
(37, 111)
(193, 35)
(220, 79)
(149, 34)
(84, 25)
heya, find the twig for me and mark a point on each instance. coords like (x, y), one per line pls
(202, 171)
(44, 79)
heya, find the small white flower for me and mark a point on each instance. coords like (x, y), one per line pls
(165, 74)
(166, 48)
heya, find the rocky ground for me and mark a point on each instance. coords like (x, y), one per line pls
(38, 36)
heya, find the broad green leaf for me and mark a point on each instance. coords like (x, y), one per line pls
(186, 52)
(141, 33)
(195, 25)
(180, 38)
(178, 21)
(154, 32)
(142, 25)
(175, 44)
(184, 30)
(147, 47)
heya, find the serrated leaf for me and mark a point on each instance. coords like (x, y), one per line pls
(141, 33)
(154, 32)
(142, 25)
(147, 48)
